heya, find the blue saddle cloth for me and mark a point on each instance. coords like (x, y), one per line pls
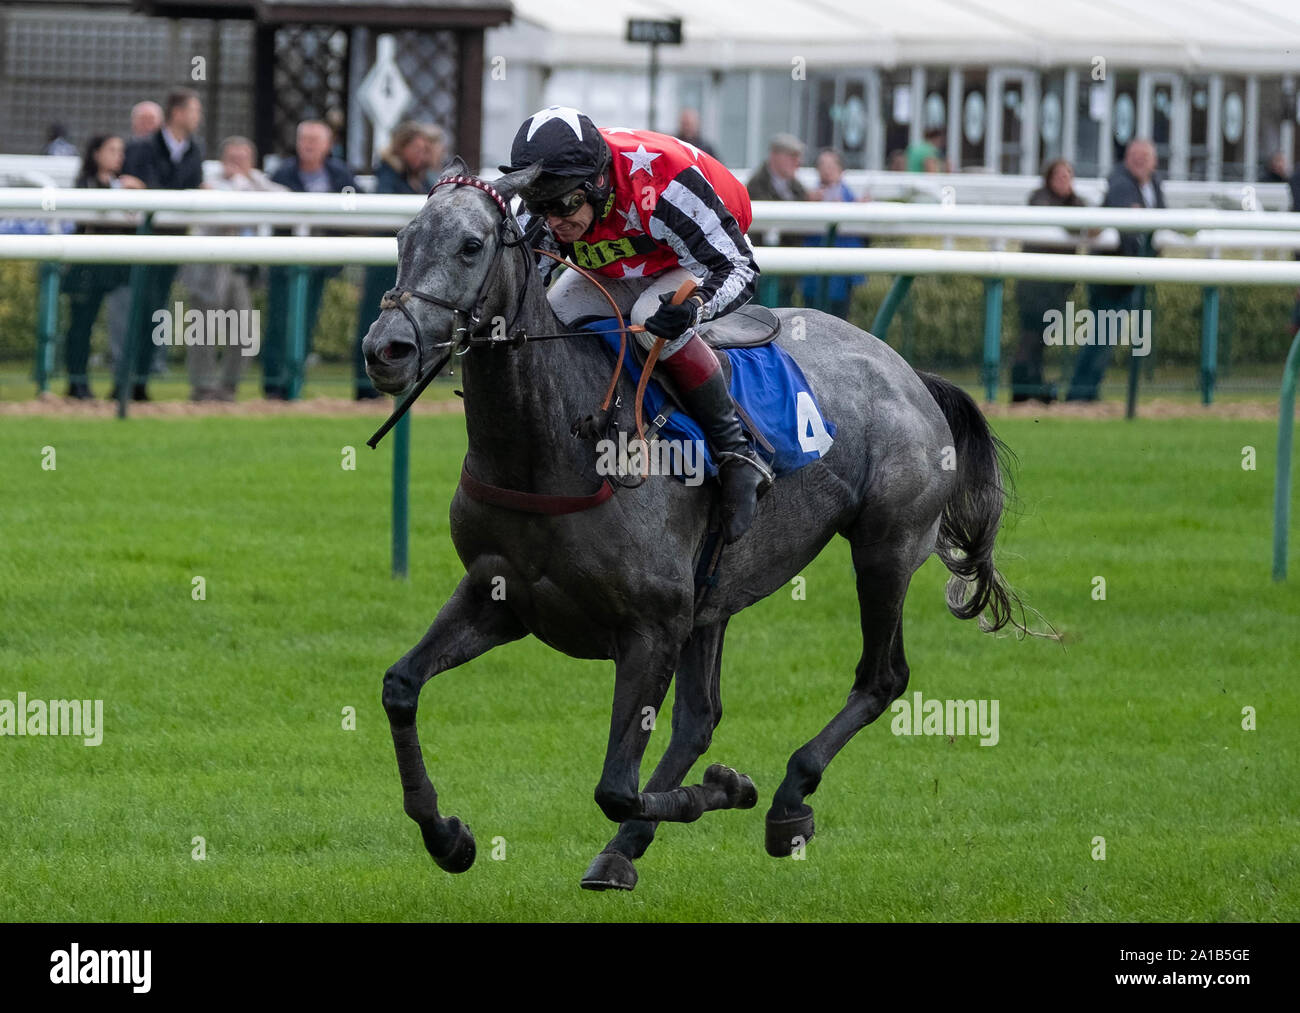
(767, 383)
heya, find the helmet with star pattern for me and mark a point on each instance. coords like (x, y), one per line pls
(573, 155)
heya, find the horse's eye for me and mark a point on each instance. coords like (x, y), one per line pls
(471, 246)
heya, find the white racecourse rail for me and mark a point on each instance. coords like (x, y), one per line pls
(360, 209)
(52, 203)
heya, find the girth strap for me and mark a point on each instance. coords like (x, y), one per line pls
(531, 502)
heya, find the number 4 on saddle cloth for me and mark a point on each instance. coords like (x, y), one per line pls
(777, 405)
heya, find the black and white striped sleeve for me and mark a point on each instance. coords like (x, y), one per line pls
(691, 218)
(545, 241)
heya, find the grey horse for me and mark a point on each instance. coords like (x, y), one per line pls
(914, 470)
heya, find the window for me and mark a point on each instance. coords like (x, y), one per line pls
(1123, 115)
(1198, 129)
(1232, 127)
(1089, 109)
(974, 121)
(1051, 116)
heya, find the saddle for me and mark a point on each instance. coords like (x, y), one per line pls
(748, 327)
(751, 326)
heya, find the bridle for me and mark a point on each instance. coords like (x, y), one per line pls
(465, 321)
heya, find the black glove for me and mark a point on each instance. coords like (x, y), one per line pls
(669, 321)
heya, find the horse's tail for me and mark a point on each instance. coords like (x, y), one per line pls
(973, 513)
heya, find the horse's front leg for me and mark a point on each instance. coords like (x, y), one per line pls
(468, 625)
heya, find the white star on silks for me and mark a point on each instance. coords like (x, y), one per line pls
(693, 149)
(634, 272)
(631, 220)
(566, 113)
(620, 130)
(640, 159)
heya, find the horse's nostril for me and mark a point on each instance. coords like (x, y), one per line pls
(396, 350)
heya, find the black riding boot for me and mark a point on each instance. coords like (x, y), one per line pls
(695, 372)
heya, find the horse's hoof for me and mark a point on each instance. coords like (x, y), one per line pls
(784, 835)
(459, 854)
(740, 790)
(610, 870)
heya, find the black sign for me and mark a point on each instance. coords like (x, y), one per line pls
(665, 32)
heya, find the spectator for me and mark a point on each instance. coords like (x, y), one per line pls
(688, 130)
(311, 170)
(839, 288)
(775, 180)
(1274, 169)
(897, 161)
(414, 151)
(927, 156)
(171, 158)
(1035, 298)
(223, 286)
(146, 118)
(57, 143)
(1131, 184)
(88, 284)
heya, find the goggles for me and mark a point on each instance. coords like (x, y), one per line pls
(560, 207)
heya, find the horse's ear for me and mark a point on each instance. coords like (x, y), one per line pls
(512, 182)
(456, 167)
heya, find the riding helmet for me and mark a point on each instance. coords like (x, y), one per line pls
(572, 152)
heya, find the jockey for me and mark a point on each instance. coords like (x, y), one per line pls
(648, 212)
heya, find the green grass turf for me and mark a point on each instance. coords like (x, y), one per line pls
(223, 717)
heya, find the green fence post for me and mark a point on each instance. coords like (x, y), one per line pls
(1282, 488)
(893, 299)
(47, 323)
(767, 292)
(1134, 367)
(401, 498)
(992, 336)
(134, 323)
(297, 329)
(1209, 342)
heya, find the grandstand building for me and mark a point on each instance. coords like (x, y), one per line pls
(1009, 82)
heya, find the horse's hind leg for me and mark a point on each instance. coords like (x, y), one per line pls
(645, 663)
(466, 626)
(883, 572)
(697, 709)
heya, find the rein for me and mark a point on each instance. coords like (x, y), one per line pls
(467, 321)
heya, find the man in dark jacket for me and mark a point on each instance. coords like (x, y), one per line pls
(1132, 184)
(312, 170)
(775, 180)
(171, 158)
